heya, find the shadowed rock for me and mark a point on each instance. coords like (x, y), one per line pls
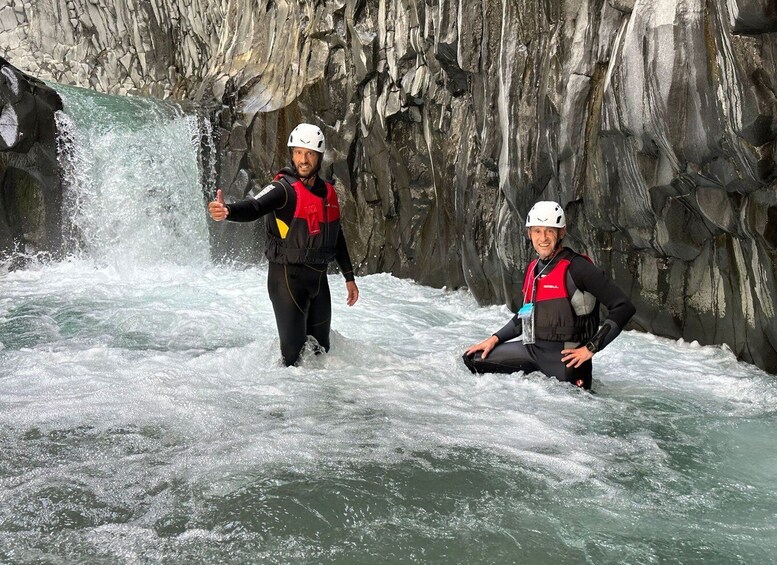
(30, 190)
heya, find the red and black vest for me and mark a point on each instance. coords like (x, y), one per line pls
(554, 317)
(311, 237)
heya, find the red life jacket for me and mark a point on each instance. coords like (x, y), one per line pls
(554, 317)
(311, 237)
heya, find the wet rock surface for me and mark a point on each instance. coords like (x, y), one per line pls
(653, 123)
(30, 188)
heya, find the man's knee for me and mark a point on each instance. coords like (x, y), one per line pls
(583, 382)
(476, 364)
(469, 361)
(581, 376)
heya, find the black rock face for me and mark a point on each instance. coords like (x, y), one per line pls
(653, 123)
(655, 129)
(30, 187)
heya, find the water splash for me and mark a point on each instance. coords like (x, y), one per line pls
(144, 416)
(133, 179)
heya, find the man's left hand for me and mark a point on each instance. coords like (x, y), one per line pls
(575, 357)
(353, 292)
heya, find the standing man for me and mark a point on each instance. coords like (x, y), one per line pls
(559, 320)
(303, 236)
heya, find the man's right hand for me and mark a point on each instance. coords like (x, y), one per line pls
(485, 346)
(216, 209)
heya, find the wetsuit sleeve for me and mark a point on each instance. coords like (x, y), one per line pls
(510, 330)
(589, 278)
(271, 198)
(343, 258)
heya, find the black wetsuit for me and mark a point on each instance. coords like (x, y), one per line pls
(299, 291)
(586, 287)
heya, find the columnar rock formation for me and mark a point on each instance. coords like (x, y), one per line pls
(653, 122)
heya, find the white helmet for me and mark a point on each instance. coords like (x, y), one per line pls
(309, 137)
(548, 214)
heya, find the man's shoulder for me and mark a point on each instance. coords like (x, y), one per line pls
(285, 176)
(572, 255)
(322, 184)
(580, 263)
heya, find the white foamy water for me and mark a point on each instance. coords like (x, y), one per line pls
(145, 415)
(144, 409)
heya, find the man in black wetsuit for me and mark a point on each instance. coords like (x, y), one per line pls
(558, 324)
(303, 236)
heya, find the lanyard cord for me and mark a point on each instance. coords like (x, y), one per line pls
(536, 279)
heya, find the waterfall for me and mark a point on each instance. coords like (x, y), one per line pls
(134, 182)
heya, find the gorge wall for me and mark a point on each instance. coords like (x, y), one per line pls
(653, 123)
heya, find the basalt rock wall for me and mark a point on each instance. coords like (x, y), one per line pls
(30, 188)
(654, 123)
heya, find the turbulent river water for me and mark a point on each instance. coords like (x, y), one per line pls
(145, 416)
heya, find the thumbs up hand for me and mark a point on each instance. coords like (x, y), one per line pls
(217, 210)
